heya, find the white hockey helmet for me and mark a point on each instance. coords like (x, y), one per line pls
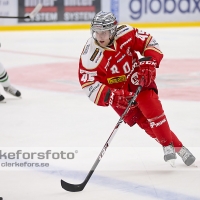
(104, 21)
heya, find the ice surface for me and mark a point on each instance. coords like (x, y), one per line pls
(54, 114)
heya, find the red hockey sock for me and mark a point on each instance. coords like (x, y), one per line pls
(160, 128)
(151, 108)
(144, 124)
(176, 142)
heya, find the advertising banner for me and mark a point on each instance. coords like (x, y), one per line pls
(143, 11)
(114, 7)
(8, 8)
(126, 11)
(60, 10)
(81, 10)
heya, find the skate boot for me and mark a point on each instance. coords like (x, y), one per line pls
(10, 89)
(169, 154)
(186, 156)
(2, 99)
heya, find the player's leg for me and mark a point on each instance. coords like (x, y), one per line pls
(2, 75)
(182, 151)
(157, 127)
(151, 108)
(169, 151)
(136, 116)
(5, 82)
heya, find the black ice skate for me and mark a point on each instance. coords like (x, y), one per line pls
(11, 90)
(2, 99)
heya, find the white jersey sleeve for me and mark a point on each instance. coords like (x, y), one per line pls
(92, 55)
(90, 72)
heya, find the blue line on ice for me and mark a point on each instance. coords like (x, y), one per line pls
(122, 185)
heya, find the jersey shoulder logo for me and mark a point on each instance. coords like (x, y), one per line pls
(94, 54)
(123, 29)
(85, 50)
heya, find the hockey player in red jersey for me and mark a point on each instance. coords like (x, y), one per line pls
(110, 72)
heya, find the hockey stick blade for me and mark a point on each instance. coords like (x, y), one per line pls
(72, 187)
(30, 16)
(79, 187)
(35, 11)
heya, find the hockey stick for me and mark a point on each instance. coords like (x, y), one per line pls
(79, 187)
(30, 16)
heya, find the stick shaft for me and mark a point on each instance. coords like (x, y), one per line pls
(14, 17)
(31, 15)
(112, 135)
(80, 187)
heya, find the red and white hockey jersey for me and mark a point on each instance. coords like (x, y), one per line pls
(115, 66)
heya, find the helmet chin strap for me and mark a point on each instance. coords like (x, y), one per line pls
(111, 41)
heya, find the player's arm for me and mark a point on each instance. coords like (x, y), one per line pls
(147, 46)
(100, 93)
(96, 91)
(141, 42)
(91, 74)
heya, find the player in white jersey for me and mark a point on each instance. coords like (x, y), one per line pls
(5, 82)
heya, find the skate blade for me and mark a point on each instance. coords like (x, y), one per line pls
(172, 162)
(3, 101)
(193, 165)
